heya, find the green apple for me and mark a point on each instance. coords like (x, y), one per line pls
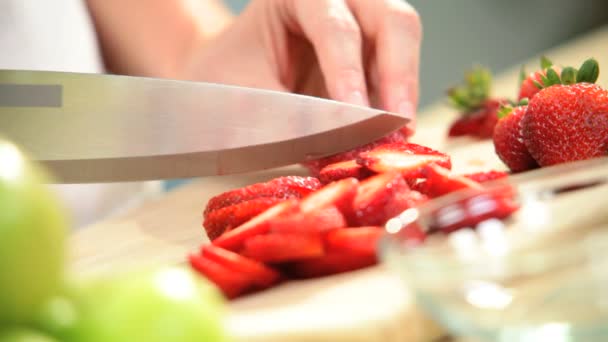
(172, 304)
(19, 334)
(32, 236)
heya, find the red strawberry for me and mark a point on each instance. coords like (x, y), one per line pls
(309, 222)
(529, 82)
(486, 176)
(339, 194)
(467, 125)
(362, 240)
(565, 123)
(479, 123)
(234, 239)
(509, 142)
(340, 170)
(478, 110)
(230, 282)
(223, 219)
(379, 199)
(486, 204)
(276, 248)
(282, 187)
(440, 181)
(331, 263)
(315, 166)
(409, 159)
(260, 274)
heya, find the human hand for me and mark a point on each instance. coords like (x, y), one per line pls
(358, 51)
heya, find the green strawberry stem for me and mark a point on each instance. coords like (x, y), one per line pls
(505, 110)
(474, 92)
(587, 73)
(545, 63)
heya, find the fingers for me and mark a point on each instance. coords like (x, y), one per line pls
(398, 51)
(336, 37)
(397, 32)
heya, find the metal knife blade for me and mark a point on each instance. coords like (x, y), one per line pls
(105, 128)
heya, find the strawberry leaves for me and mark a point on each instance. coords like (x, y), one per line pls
(587, 73)
(545, 63)
(474, 92)
(568, 76)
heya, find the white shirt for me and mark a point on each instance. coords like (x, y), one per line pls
(58, 35)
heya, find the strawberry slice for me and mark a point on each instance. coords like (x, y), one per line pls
(409, 159)
(260, 224)
(316, 166)
(486, 176)
(469, 212)
(339, 194)
(333, 262)
(346, 169)
(282, 187)
(230, 282)
(277, 248)
(361, 240)
(318, 221)
(439, 181)
(259, 274)
(226, 218)
(379, 199)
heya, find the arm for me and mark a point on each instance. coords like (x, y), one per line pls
(154, 37)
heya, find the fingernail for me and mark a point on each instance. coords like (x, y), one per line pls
(406, 109)
(356, 98)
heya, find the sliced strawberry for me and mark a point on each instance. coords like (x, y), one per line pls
(230, 282)
(310, 222)
(361, 240)
(260, 224)
(316, 166)
(226, 218)
(277, 248)
(378, 199)
(439, 181)
(467, 213)
(409, 159)
(259, 274)
(346, 169)
(331, 263)
(339, 194)
(486, 176)
(282, 187)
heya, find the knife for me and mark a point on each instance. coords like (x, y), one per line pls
(88, 128)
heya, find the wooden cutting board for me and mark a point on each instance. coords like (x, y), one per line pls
(367, 305)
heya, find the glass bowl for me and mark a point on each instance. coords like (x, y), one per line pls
(539, 273)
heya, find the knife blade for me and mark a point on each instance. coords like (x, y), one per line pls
(106, 128)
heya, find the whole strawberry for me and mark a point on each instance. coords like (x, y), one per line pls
(530, 84)
(568, 121)
(478, 110)
(509, 141)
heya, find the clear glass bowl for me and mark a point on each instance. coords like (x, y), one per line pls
(539, 275)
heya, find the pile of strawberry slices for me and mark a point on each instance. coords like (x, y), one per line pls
(302, 227)
(562, 117)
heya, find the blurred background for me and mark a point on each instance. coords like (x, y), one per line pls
(495, 33)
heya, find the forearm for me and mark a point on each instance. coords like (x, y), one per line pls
(154, 37)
